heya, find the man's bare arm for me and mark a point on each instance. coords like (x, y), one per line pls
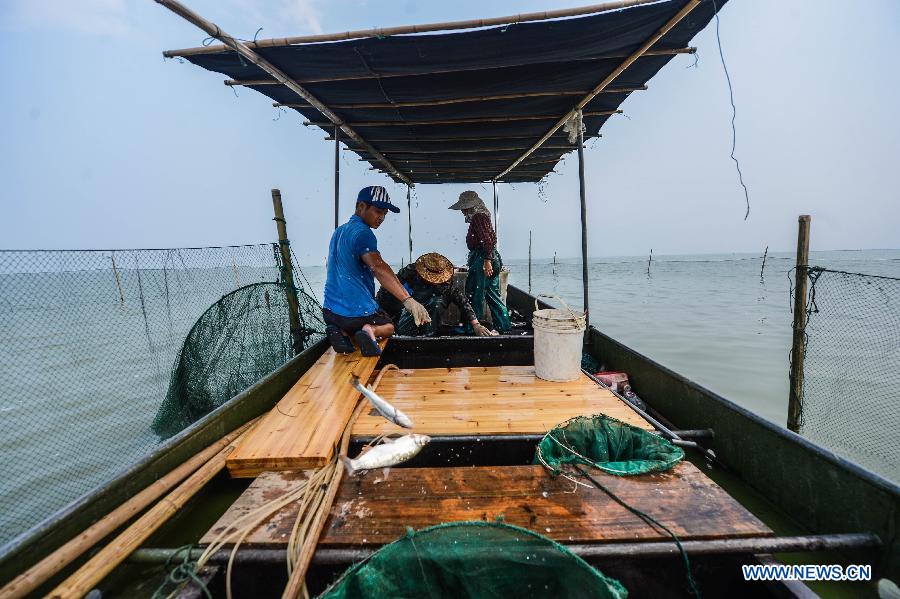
(385, 275)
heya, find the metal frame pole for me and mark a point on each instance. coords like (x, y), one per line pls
(496, 215)
(409, 219)
(798, 348)
(584, 248)
(337, 175)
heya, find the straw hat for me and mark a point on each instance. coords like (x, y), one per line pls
(434, 268)
(467, 199)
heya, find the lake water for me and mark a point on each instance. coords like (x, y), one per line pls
(83, 373)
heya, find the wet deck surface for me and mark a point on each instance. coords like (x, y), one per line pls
(375, 508)
(497, 400)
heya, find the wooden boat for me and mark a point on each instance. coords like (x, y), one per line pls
(765, 491)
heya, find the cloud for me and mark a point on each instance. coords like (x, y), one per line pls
(92, 17)
(279, 18)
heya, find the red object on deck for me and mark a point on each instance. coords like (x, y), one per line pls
(613, 379)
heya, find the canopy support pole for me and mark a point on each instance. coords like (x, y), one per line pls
(337, 175)
(496, 215)
(584, 249)
(244, 50)
(409, 219)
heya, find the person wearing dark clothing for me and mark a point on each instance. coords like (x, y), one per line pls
(429, 280)
(483, 280)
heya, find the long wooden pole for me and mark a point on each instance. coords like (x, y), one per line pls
(287, 272)
(584, 243)
(464, 150)
(241, 48)
(31, 579)
(337, 175)
(106, 560)
(529, 262)
(418, 140)
(691, 4)
(496, 215)
(488, 119)
(381, 32)
(798, 347)
(464, 100)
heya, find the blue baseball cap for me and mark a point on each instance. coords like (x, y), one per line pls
(376, 195)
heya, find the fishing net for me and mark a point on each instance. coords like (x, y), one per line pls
(474, 560)
(607, 444)
(236, 342)
(851, 384)
(93, 341)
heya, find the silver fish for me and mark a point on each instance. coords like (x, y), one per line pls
(389, 453)
(383, 407)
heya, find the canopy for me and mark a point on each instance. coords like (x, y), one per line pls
(466, 106)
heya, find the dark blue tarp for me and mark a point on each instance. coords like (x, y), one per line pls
(565, 55)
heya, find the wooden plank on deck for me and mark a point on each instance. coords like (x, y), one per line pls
(375, 508)
(303, 428)
(493, 400)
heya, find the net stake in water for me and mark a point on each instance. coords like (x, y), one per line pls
(798, 347)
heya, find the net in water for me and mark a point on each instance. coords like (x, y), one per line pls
(238, 340)
(476, 560)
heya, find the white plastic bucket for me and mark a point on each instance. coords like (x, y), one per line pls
(558, 338)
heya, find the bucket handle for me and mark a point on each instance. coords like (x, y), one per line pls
(561, 300)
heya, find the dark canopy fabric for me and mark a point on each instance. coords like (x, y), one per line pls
(473, 140)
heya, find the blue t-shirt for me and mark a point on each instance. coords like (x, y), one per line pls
(350, 285)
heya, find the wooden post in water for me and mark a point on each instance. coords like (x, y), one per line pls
(584, 251)
(763, 267)
(287, 272)
(337, 175)
(118, 282)
(798, 347)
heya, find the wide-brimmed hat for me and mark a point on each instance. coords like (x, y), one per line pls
(434, 268)
(467, 199)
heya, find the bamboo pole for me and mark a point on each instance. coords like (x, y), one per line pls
(490, 119)
(448, 139)
(688, 7)
(463, 69)
(462, 162)
(466, 99)
(381, 32)
(649, 262)
(118, 281)
(798, 347)
(287, 272)
(496, 217)
(463, 150)
(31, 579)
(242, 49)
(763, 267)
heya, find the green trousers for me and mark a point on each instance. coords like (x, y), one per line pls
(480, 288)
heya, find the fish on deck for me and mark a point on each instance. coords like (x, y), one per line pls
(390, 453)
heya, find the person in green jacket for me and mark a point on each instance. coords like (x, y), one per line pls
(483, 281)
(429, 280)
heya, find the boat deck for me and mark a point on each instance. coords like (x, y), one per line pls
(374, 508)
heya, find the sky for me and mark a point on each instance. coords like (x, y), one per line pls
(107, 145)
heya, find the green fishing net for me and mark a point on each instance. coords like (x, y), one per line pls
(474, 560)
(238, 340)
(608, 444)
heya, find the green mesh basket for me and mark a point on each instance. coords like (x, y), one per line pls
(474, 560)
(608, 444)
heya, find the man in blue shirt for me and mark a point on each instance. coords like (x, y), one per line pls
(354, 263)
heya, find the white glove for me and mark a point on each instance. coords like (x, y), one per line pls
(417, 310)
(481, 330)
